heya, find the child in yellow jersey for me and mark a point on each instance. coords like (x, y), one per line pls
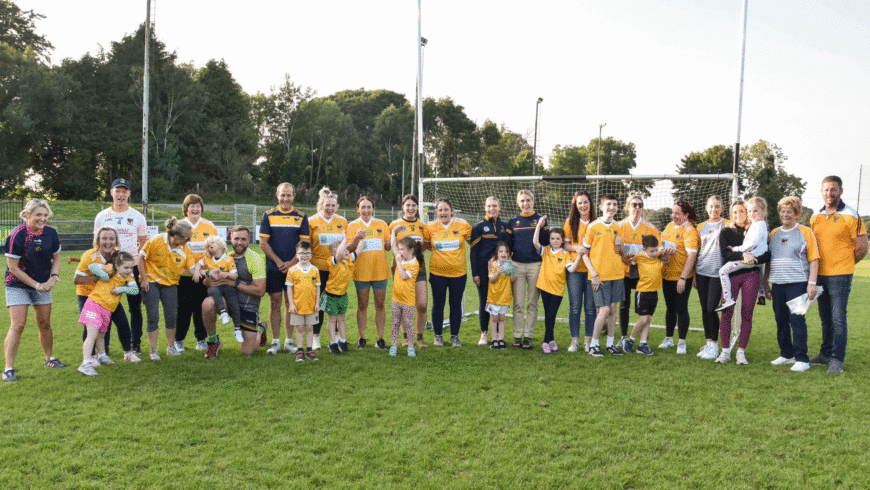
(103, 300)
(218, 265)
(499, 294)
(649, 271)
(303, 290)
(555, 261)
(334, 298)
(409, 262)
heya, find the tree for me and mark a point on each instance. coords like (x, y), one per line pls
(568, 160)
(452, 142)
(328, 135)
(763, 169)
(717, 159)
(503, 151)
(394, 129)
(18, 30)
(276, 118)
(617, 158)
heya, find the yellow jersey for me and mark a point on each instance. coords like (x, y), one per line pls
(415, 229)
(92, 256)
(303, 285)
(404, 289)
(323, 234)
(835, 236)
(581, 232)
(553, 268)
(448, 247)
(340, 274)
(371, 256)
(499, 293)
(685, 240)
(600, 240)
(649, 272)
(102, 293)
(632, 237)
(163, 264)
(203, 229)
(224, 264)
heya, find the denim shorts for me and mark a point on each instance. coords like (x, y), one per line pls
(21, 296)
(375, 285)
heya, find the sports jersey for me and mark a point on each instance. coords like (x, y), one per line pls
(499, 292)
(448, 247)
(581, 232)
(304, 284)
(404, 289)
(709, 257)
(553, 268)
(485, 236)
(522, 227)
(600, 240)
(283, 231)
(202, 230)
(224, 264)
(102, 293)
(371, 257)
(649, 273)
(632, 237)
(835, 235)
(130, 224)
(92, 256)
(791, 252)
(34, 252)
(323, 234)
(415, 229)
(164, 265)
(685, 240)
(250, 268)
(340, 274)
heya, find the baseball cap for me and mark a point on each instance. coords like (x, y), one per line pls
(121, 183)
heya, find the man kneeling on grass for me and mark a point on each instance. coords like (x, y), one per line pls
(250, 287)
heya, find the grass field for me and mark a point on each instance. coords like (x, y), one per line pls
(454, 418)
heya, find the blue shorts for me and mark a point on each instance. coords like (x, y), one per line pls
(26, 296)
(375, 285)
(645, 302)
(275, 281)
(248, 320)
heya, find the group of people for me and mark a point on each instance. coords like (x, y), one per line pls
(605, 265)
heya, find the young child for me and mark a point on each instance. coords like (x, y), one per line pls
(499, 293)
(649, 270)
(102, 302)
(218, 265)
(755, 243)
(303, 290)
(603, 258)
(555, 261)
(409, 262)
(333, 301)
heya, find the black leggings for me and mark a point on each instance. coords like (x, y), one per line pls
(191, 294)
(677, 305)
(324, 277)
(551, 308)
(119, 318)
(709, 292)
(627, 285)
(482, 292)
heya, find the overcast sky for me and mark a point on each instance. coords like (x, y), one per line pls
(663, 74)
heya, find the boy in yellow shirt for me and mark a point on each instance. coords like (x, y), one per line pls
(303, 290)
(333, 301)
(649, 271)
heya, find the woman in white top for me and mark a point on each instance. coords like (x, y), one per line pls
(707, 275)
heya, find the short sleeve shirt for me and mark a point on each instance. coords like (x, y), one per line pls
(685, 240)
(600, 239)
(203, 229)
(130, 225)
(304, 284)
(102, 293)
(649, 273)
(224, 264)
(283, 231)
(499, 292)
(581, 232)
(92, 256)
(371, 256)
(404, 289)
(340, 274)
(791, 252)
(250, 267)
(632, 236)
(709, 255)
(323, 234)
(448, 247)
(553, 268)
(164, 264)
(836, 234)
(34, 252)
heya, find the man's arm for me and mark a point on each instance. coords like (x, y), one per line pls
(256, 289)
(860, 248)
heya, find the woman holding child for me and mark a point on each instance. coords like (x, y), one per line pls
(417, 230)
(327, 228)
(192, 293)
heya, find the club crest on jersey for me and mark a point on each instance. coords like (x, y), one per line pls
(205, 234)
(485, 228)
(455, 232)
(836, 218)
(129, 221)
(784, 241)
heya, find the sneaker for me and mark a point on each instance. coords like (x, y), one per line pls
(835, 367)
(484, 339)
(342, 344)
(53, 362)
(179, 345)
(315, 344)
(724, 357)
(495, 345)
(574, 347)
(621, 344)
(105, 360)
(212, 351)
(502, 344)
(300, 356)
(289, 346)
(155, 356)
(225, 318)
(553, 346)
(238, 335)
(741, 358)
(762, 301)
(361, 343)
(628, 346)
(87, 368)
(546, 348)
(595, 351)
(170, 350)
(681, 348)
(429, 326)
(261, 329)
(800, 367)
(439, 341)
(200, 345)
(380, 344)
(333, 347)
(644, 349)
(527, 343)
(723, 304)
(9, 375)
(781, 361)
(137, 350)
(701, 353)
(394, 351)
(412, 352)
(820, 360)
(454, 341)
(518, 342)
(131, 357)
(586, 347)
(274, 348)
(668, 342)
(614, 351)
(712, 352)
(312, 356)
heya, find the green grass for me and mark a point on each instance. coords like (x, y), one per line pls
(454, 418)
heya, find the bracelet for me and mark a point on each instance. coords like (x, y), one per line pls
(37, 286)
(683, 279)
(811, 283)
(55, 275)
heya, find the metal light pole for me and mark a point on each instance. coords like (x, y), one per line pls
(600, 127)
(421, 41)
(145, 108)
(735, 187)
(535, 147)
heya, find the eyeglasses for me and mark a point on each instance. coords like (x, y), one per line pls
(637, 205)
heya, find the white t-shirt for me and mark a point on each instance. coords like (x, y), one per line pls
(130, 225)
(755, 241)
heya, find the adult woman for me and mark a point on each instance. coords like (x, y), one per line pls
(191, 293)
(414, 228)
(106, 241)
(326, 229)
(746, 281)
(161, 261)
(707, 274)
(794, 268)
(371, 271)
(447, 269)
(582, 213)
(528, 262)
(32, 270)
(681, 243)
(632, 229)
(484, 238)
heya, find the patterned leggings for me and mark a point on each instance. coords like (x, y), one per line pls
(749, 282)
(403, 317)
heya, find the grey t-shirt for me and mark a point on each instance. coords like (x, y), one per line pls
(249, 267)
(709, 256)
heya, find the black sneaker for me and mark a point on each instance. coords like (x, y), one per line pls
(613, 350)
(311, 355)
(762, 301)
(361, 344)
(644, 349)
(595, 351)
(820, 360)
(495, 345)
(54, 363)
(342, 344)
(527, 343)
(300, 356)
(454, 341)
(9, 376)
(380, 344)
(628, 346)
(333, 347)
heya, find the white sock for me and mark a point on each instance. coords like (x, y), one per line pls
(682, 342)
(631, 338)
(726, 350)
(609, 341)
(593, 343)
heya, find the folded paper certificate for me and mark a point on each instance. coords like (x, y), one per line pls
(801, 304)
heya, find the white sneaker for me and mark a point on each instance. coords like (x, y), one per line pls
(781, 361)
(800, 367)
(741, 358)
(131, 357)
(668, 342)
(315, 343)
(681, 348)
(155, 356)
(290, 347)
(87, 368)
(724, 357)
(586, 347)
(274, 348)
(105, 360)
(484, 339)
(712, 352)
(179, 345)
(238, 335)
(703, 351)
(225, 318)
(724, 305)
(574, 347)
(171, 351)
(201, 345)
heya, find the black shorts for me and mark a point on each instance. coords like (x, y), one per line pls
(248, 320)
(275, 281)
(645, 303)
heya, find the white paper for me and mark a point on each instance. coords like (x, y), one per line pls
(801, 304)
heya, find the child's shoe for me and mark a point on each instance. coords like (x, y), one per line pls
(411, 351)
(546, 348)
(394, 351)
(225, 318)
(105, 360)
(238, 335)
(312, 356)
(87, 368)
(553, 346)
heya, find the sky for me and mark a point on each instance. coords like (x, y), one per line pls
(663, 74)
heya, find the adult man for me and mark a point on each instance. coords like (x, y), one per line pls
(281, 229)
(842, 240)
(132, 232)
(251, 286)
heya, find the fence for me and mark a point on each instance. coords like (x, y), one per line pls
(9, 219)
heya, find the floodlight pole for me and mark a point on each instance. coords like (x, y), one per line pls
(735, 189)
(145, 108)
(535, 146)
(420, 43)
(600, 127)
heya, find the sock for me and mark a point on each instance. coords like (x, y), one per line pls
(609, 341)
(593, 343)
(342, 340)
(742, 351)
(631, 338)
(682, 342)
(643, 342)
(726, 350)
(212, 338)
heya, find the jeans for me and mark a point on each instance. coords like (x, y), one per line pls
(440, 286)
(580, 297)
(119, 318)
(832, 312)
(791, 329)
